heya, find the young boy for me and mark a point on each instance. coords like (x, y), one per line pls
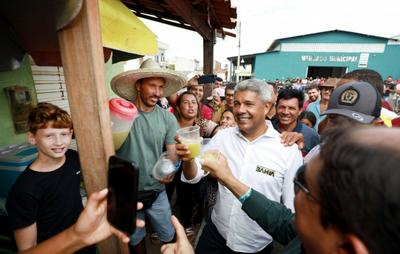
(45, 199)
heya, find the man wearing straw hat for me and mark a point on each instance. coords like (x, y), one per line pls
(153, 130)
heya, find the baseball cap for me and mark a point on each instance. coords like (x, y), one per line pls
(359, 101)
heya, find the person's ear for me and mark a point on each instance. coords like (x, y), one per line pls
(352, 245)
(267, 107)
(31, 138)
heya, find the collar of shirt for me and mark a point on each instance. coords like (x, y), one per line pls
(297, 128)
(269, 133)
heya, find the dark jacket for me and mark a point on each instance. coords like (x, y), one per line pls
(275, 219)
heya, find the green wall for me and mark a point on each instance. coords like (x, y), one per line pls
(112, 70)
(23, 77)
(20, 77)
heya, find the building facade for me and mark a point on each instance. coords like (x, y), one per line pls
(327, 54)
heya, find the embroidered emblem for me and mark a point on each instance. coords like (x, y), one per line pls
(349, 97)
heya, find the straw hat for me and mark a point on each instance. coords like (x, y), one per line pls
(124, 84)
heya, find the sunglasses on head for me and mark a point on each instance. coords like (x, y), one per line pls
(300, 183)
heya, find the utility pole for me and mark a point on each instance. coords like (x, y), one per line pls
(238, 56)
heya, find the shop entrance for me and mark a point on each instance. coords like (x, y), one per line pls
(322, 71)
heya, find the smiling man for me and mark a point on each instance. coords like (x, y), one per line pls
(288, 109)
(256, 157)
(313, 95)
(339, 196)
(152, 131)
(227, 104)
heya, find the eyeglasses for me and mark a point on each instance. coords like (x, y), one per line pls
(300, 183)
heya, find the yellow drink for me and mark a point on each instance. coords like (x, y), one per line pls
(209, 156)
(119, 138)
(194, 148)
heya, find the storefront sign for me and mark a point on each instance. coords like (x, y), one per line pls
(336, 59)
(363, 63)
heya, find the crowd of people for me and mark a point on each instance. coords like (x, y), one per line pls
(311, 165)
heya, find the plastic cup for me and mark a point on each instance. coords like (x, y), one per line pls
(122, 115)
(165, 166)
(191, 137)
(209, 156)
(204, 143)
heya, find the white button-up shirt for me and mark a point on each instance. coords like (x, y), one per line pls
(263, 164)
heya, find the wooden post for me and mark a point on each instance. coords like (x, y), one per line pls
(82, 56)
(208, 62)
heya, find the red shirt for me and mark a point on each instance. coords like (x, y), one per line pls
(305, 104)
(206, 112)
(386, 105)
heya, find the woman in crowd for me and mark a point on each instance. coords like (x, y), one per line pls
(227, 119)
(191, 196)
(188, 114)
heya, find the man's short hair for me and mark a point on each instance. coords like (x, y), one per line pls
(257, 86)
(219, 79)
(312, 86)
(230, 86)
(359, 183)
(366, 75)
(287, 94)
(47, 115)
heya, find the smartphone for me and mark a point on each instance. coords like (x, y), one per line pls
(205, 79)
(122, 194)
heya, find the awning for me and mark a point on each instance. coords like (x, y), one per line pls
(123, 31)
(31, 27)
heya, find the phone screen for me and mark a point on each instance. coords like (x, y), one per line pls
(206, 79)
(122, 194)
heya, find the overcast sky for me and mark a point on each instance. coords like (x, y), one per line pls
(263, 21)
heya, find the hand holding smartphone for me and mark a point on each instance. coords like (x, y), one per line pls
(122, 195)
(206, 79)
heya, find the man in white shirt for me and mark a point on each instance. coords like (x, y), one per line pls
(258, 158)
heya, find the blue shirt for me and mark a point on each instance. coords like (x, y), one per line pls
(314, 107)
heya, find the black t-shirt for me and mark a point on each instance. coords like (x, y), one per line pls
(51, 199)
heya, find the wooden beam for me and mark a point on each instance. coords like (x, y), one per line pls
(167, 22)
(208, 55)
(83, 62)
(185, 9)
(208, 63)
